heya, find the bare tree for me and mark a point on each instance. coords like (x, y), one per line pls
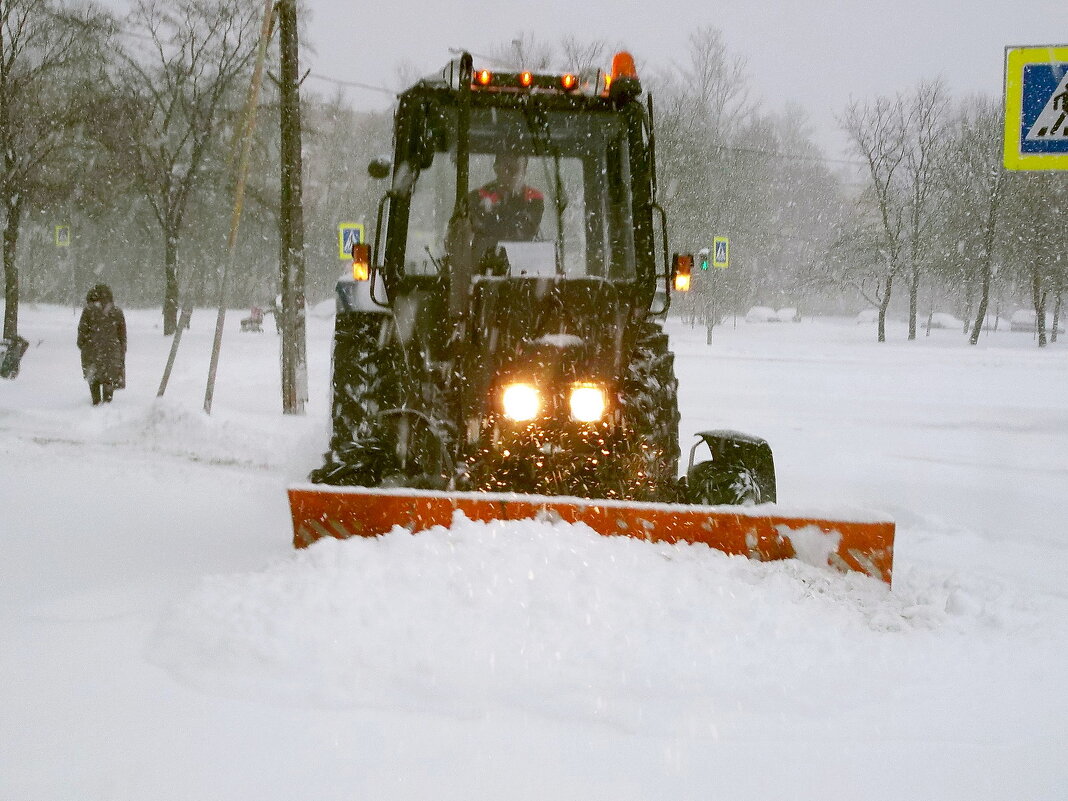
(718, 82)
(877, 131)
(970, 170)
(339, 143)
(898, 138)
(855, 262)
(924, 130)
(795, 206)
(176, 90)
(584, 58)
(700, 106)
(525, 52)
(46, 66)
(1035, 224)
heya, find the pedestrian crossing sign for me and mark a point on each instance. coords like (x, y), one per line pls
(721, 249)
(1036, 108)
(348, 234)
(62, 236)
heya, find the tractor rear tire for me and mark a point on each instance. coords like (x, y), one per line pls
(650, 404)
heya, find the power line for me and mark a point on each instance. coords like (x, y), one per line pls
(121, 31)
(354, 84)
(795, 157)
(758, 151)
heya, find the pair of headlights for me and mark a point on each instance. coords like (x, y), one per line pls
(524, 402)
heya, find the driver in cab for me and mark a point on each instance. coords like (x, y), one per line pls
(505, 209)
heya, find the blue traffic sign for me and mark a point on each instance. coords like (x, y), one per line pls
(348, 234)
(721, 249)
(1036, 108)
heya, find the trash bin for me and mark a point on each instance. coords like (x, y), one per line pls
(11, 351)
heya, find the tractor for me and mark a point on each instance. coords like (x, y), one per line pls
(501, 343)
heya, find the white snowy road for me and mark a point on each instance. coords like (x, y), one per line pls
(159, 639)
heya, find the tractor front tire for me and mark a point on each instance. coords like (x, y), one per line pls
(364, 384)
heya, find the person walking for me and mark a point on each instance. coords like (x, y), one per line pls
(102, 341)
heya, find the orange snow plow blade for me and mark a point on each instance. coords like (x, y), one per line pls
(765, 533)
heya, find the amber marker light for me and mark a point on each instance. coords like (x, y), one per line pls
(683, 268)
(361, 262)
(623, 66)
(483, 77)
(526, 78)
(569, 81)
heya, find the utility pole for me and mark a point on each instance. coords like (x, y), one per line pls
(240, 159)
(291, 219)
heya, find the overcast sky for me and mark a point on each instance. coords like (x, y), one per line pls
(816, 53)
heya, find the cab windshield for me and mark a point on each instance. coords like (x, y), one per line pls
(567, 212)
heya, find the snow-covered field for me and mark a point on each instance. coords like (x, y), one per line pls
(160, 639)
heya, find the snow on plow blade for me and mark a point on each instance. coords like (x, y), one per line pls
(765, 533)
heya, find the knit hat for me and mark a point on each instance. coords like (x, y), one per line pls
(101, 293)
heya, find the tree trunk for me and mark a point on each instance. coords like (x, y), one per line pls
(988, 253)
(1038, 299)
(291, 218)
(914, 292)
(1056, 318)
(883, 303)
(984, 302)
(11, 270)
(170, 287)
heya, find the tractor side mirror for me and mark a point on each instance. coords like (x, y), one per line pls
(380, 167)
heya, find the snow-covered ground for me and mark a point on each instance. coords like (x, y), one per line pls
(160, 639)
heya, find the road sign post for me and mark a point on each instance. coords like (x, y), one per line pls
(1036, 108)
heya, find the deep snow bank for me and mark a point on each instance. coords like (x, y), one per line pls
(582, 626)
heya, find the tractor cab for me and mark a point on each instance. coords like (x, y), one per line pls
(501, 176)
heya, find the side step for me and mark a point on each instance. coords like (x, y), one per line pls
(765, 533)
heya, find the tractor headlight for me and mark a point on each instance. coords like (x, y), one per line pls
(521, 402)
(587, 403)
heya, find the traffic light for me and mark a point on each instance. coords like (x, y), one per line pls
(702, 255)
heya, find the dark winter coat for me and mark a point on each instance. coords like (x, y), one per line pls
(102, 341)
(498, 217)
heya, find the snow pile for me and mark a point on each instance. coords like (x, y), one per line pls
(461, 620)
(173, 428)
(812, 546)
